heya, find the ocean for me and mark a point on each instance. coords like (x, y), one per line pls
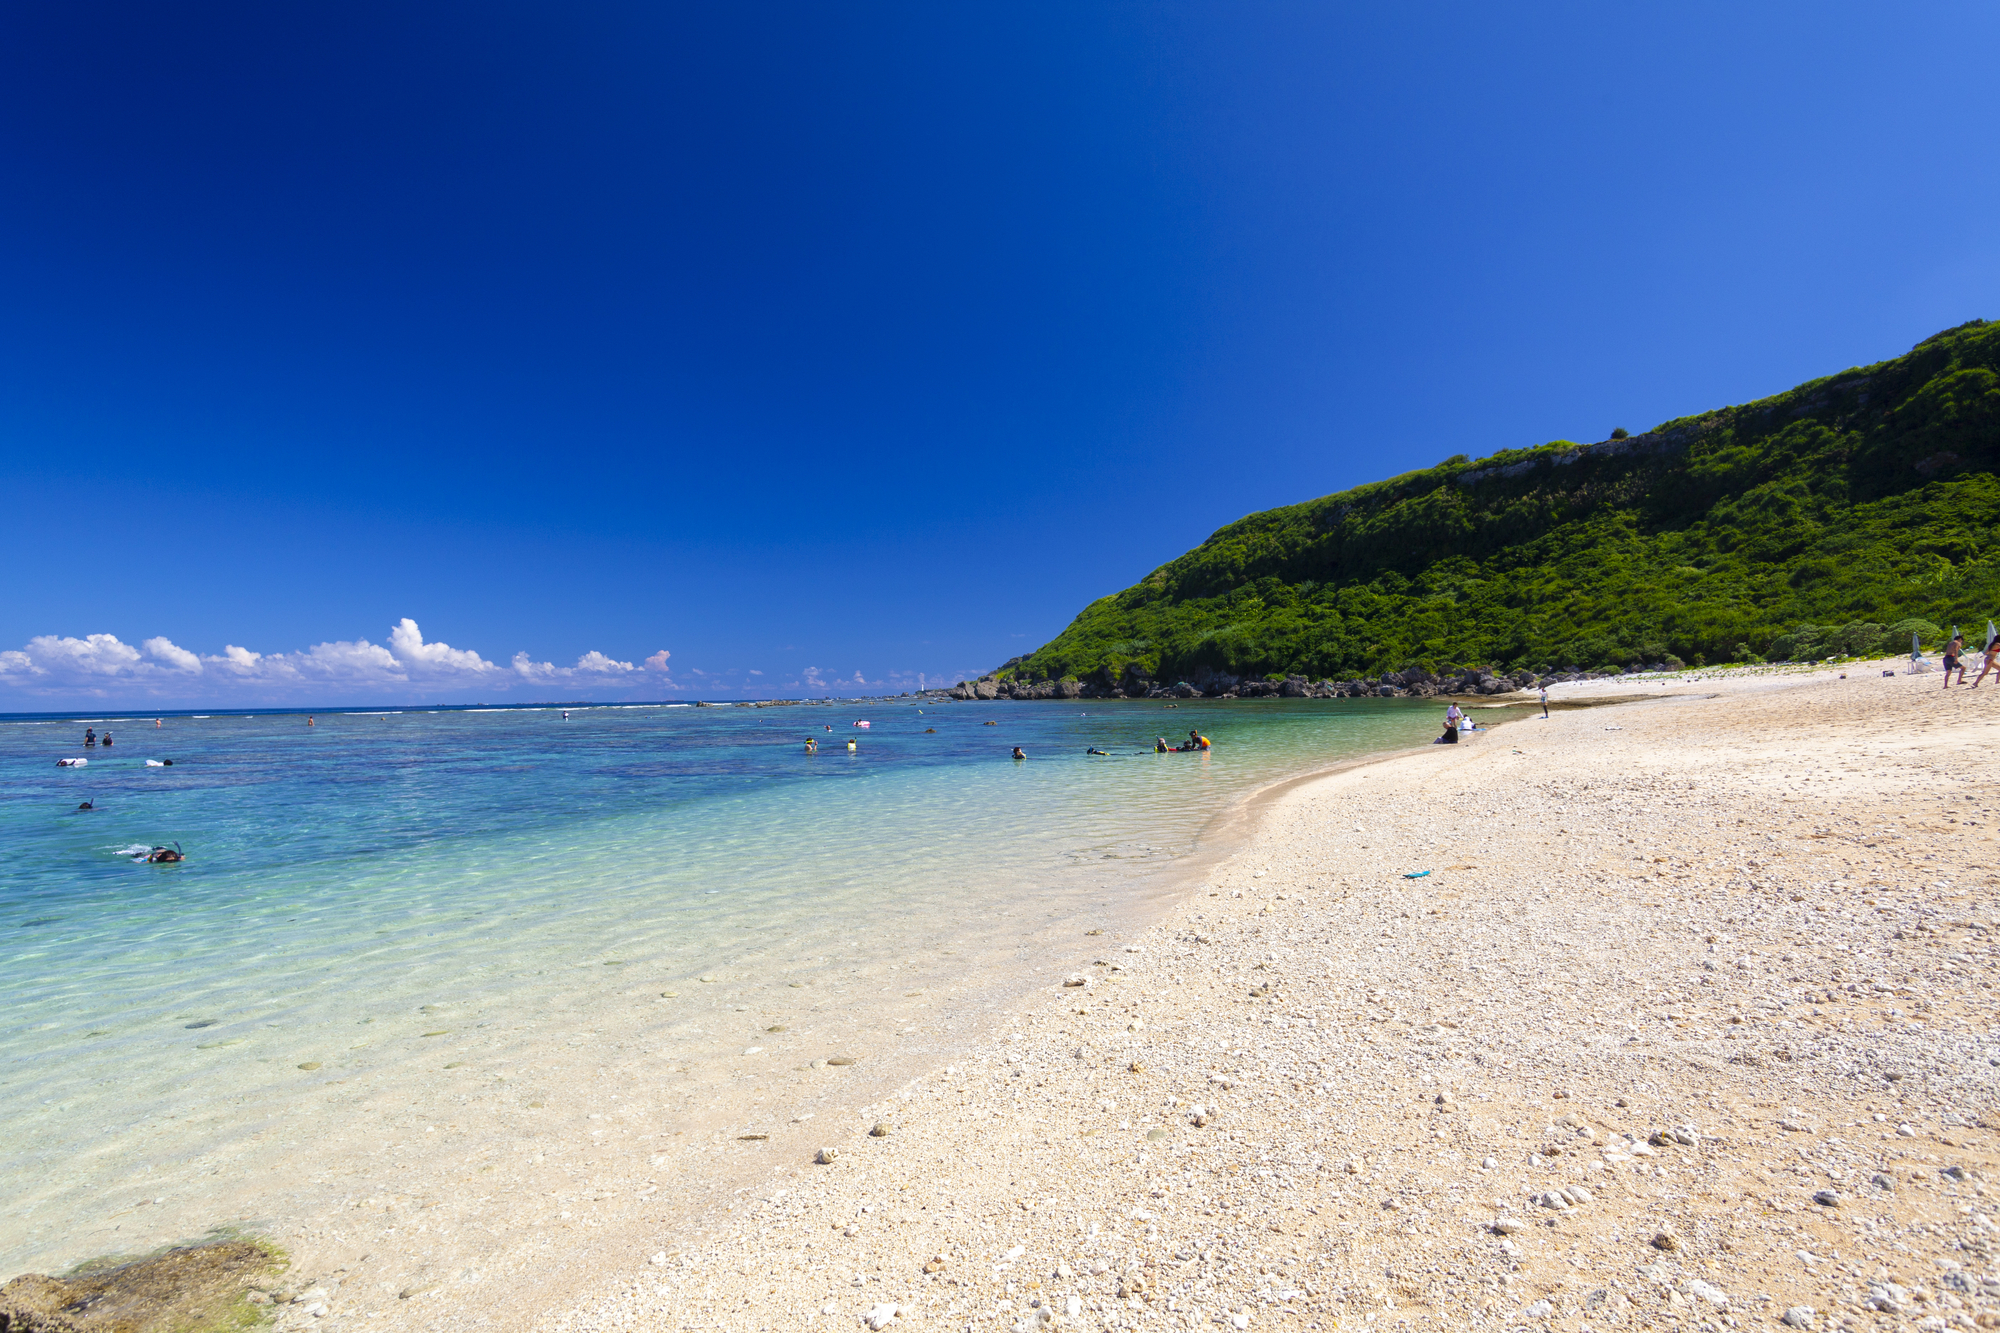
(399, 920)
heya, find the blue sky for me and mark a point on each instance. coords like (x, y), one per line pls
(868, 343)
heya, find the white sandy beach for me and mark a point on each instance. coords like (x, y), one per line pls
(1697, 960)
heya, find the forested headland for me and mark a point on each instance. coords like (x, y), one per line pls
(1833, 519)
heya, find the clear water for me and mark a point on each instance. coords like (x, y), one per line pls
(382, 889)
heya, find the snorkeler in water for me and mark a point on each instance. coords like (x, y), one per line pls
(165, 855)
(1019, 753)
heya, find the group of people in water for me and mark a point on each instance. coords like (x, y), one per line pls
(156, 855)
(1195, 742)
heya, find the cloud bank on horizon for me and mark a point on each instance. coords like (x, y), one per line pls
(104, 667)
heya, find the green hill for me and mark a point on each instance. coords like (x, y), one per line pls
(1807, 523)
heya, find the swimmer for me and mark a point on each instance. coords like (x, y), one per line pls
(850, 747)
(86, 806)
(165, 855)
(156, 722)
(812, 745)
(565, 714)
(1160, 746)
(105, 739)
(1094, 750)
(309, 722)
(1019, 753)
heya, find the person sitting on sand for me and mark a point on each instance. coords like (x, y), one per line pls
(1450, 736)
(1992, 663)
(1019, 753)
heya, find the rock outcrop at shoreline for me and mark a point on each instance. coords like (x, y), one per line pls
(1411, 683)
(188, 1289)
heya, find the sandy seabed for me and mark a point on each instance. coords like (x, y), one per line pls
(1689, 1025)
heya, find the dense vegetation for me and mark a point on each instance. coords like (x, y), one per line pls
(1835, 517)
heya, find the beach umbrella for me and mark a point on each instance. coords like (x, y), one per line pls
(1915, 650)
(1991, 634)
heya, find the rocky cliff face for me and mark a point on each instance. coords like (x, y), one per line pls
(1413, 682)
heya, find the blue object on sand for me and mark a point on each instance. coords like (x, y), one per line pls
(1419, 874)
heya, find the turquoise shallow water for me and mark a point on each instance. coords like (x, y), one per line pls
(354, 886)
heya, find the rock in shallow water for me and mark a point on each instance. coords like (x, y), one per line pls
(187, 1286)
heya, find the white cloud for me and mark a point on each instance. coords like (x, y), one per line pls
(101, 666)
(406, 641)
(94, 656)
(163, 649)
(598, 662)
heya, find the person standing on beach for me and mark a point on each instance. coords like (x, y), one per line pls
(1952, 651)
(1452, 715)
(1545, 701)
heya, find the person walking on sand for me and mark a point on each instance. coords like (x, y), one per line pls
(1952, 653)
(1992, 663)
(1545, 700)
